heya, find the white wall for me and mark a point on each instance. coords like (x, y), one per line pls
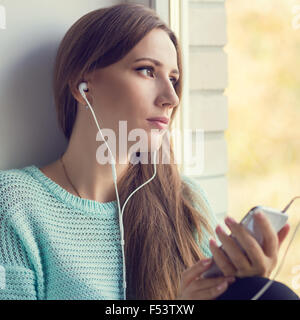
(28, 127)
(208, 106)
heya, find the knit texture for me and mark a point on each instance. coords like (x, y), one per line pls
(56, 246)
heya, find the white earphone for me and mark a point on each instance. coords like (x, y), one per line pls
(82, 88)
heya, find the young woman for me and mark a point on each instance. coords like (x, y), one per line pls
(60, 235)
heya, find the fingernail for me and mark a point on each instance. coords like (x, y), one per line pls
(220, 230)
(230, 221)
(206, 262)
(222, 286)
(213, 243)
(258, 214)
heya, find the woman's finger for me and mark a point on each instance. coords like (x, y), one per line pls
(221, 259)
(195, 271)
(233, 250)
(213, 292)
(203, 284)
(283, 233)
(270, 242)
(253, 250)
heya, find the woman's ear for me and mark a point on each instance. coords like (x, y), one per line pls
(76, 93)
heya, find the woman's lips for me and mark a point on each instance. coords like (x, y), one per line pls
(158, 124)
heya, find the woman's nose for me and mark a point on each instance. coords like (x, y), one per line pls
(169, 96)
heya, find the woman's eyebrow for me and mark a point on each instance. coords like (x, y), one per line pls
(157, 63)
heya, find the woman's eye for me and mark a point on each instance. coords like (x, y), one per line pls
(145, 68)
(174, 80)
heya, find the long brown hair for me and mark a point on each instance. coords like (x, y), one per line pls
(160, 218)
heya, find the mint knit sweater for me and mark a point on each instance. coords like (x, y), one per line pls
(54, 245)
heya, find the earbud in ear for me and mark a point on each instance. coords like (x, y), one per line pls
(82, 88)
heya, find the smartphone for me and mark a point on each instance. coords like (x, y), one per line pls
(277, 219)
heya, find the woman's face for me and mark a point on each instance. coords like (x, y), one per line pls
(134, 91)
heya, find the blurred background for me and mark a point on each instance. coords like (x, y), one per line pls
(263, 135)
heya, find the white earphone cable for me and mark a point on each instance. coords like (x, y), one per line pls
(83, 87)
(269, 283)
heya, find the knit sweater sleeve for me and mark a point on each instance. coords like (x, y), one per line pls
(210, 216)
(17, 278)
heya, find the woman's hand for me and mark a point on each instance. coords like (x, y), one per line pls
(258, 260)
(193, 287)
